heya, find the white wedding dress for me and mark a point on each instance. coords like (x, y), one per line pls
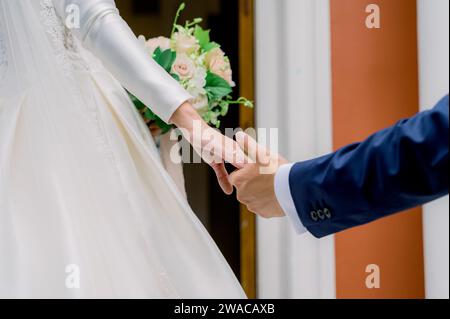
(86, 208)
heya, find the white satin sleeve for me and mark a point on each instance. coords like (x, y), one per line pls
(103, 31)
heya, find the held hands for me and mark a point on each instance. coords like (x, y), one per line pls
(214, 148)
(257, 167)
(255, 182)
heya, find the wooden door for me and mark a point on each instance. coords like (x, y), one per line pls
(248, 220)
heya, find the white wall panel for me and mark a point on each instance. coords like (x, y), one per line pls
(433, 23)
(294, 95)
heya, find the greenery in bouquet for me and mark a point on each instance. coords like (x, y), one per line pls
(199, 65)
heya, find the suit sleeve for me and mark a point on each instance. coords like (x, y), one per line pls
(108, 36)
(394, 170)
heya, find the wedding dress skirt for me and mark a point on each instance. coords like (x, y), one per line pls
(86, 207)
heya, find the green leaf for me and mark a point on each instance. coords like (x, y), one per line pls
(202, 36)
(216, 93)
(160, 123)
(165, 128)
(149, 115)
(175, 76)
(215, 80)
(157, 54)
(204, 39)
(139, 105)
(216, 87)
(165, 58)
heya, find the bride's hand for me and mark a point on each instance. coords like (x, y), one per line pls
(214, 148)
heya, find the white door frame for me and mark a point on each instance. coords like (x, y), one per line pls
(433, 29)
(293, 89)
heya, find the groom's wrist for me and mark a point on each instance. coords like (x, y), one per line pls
(285, 199)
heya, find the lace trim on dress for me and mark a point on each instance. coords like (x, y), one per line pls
(65, 45)
(70, 59)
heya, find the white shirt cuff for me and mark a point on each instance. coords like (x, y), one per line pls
(284, 196)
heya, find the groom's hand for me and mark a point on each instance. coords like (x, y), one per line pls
(255, 183)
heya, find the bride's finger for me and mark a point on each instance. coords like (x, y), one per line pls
(223, 178)
(257, 153)
(234, 155)
(218, 148)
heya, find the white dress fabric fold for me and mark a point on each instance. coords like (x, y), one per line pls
(86, 207)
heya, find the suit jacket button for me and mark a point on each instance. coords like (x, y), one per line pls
(314, 216)
(327, 213)
(321, 214)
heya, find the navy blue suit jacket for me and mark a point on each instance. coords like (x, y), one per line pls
(396, 169)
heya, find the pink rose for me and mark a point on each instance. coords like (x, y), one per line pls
(184, 67)
(214, 54)
(218, 64)
(159, 42)
(185, 43)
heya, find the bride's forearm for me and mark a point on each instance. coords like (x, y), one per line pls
(186, 117)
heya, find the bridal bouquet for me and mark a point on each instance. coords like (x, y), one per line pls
(200, 66)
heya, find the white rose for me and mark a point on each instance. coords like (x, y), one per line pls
(200, 103)
(185, 43)
(196, 85)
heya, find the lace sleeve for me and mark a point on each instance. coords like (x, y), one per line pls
(108, 36)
